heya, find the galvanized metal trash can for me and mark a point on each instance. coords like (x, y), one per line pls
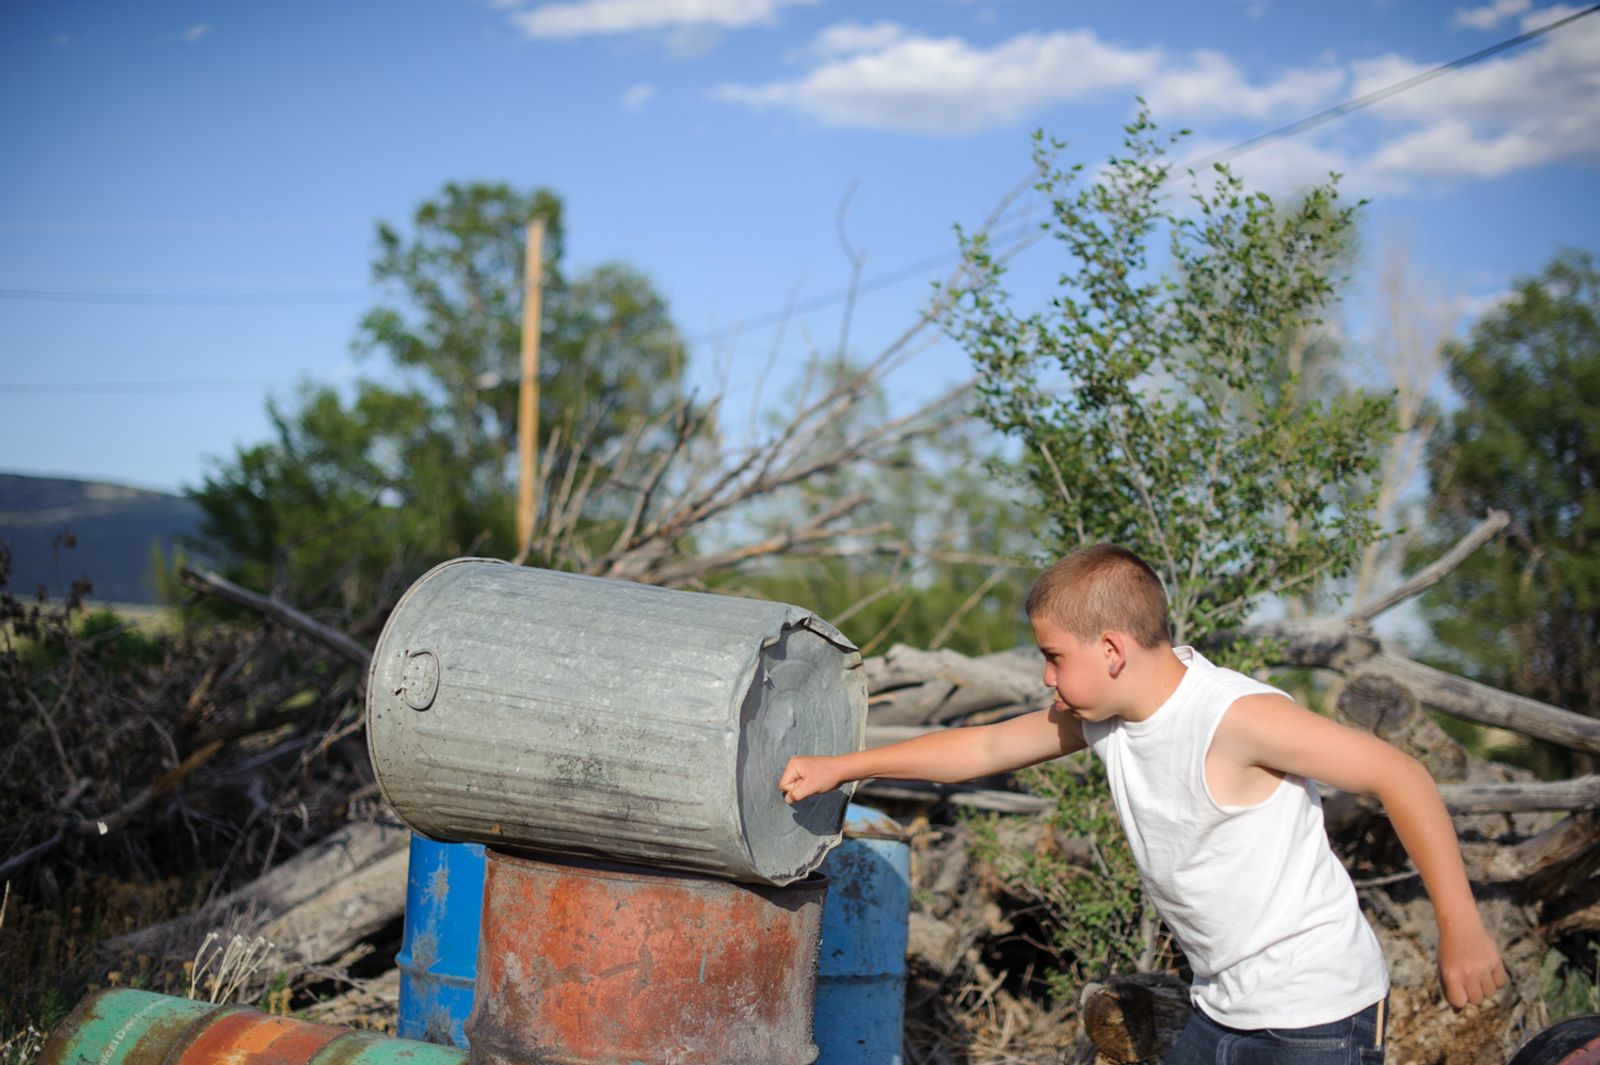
(120, 1026)
(573, 715)
(861, 971)
(587, 963)
(438, 957)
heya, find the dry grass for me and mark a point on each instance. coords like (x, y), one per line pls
(144, 768)
(22, 1046)
(222, 969)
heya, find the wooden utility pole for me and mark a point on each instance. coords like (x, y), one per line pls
(528, 408)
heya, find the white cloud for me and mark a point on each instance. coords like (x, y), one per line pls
(881, 77)
(848, 38)
(1452, 148)
(1211, 86)
(582, 18)
(946, 86)
(1288, 167)
(1489, 16)
(1537, 105)
(691, 42)
(1545, 16)
(1526, 108)
(639, 95)
(194, 34)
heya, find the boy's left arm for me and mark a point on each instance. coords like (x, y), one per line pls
(1276, 733)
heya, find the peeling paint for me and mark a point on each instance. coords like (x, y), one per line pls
(121, 1026)
(607, 965)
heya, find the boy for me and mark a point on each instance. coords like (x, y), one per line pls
(1211, 773)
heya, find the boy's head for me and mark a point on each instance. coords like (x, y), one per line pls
(1103, 588)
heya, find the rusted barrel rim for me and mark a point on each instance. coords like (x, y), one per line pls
(604, 870)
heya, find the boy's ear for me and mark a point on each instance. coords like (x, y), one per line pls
(1114, 646)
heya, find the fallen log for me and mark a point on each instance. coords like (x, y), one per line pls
(1564, 855)
(919, 791)
(1391, 712)
(1333, 644)
(882, 735)
(1484, 705)
(351, 909)
(1582, 793)
(908, 686)
(315, 871)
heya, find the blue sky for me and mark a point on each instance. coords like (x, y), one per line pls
(195, 185)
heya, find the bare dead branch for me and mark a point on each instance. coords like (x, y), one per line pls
(967, 604)
(13, 866)
(161, 785)
(212, 584)
(1432, 574)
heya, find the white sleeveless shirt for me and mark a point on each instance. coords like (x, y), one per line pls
(1262, 908)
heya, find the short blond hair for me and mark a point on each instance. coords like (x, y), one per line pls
(1103, 588)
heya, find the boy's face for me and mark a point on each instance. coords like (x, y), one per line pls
(1076, 670)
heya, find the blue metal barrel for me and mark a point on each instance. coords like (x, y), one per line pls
(861, 974)
(438, 957)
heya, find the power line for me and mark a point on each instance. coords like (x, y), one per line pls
(188, 299)
(1377, 95)
(90, 388)
(815, 303)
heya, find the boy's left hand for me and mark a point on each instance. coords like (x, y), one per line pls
(1469, 965)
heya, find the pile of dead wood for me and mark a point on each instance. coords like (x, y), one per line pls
(1531, 848)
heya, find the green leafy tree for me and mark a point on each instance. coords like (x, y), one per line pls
(1161, 410)
(1523, 613)
(356, 495)
(1164, 409)
(608, 349)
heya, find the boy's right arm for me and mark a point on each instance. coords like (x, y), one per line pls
(945, 757)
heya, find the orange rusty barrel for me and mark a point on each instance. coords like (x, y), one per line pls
(121, 1026)
(590, 964)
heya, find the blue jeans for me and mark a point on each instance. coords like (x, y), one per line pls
(1356, 1040)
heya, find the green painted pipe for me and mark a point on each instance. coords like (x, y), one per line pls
(126, 1027)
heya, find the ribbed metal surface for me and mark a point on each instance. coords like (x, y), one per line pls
(127, 1027)
(438, 957)
(573, 715)
(587, 964)
(861, 977)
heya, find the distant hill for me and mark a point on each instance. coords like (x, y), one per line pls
(115, 527)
